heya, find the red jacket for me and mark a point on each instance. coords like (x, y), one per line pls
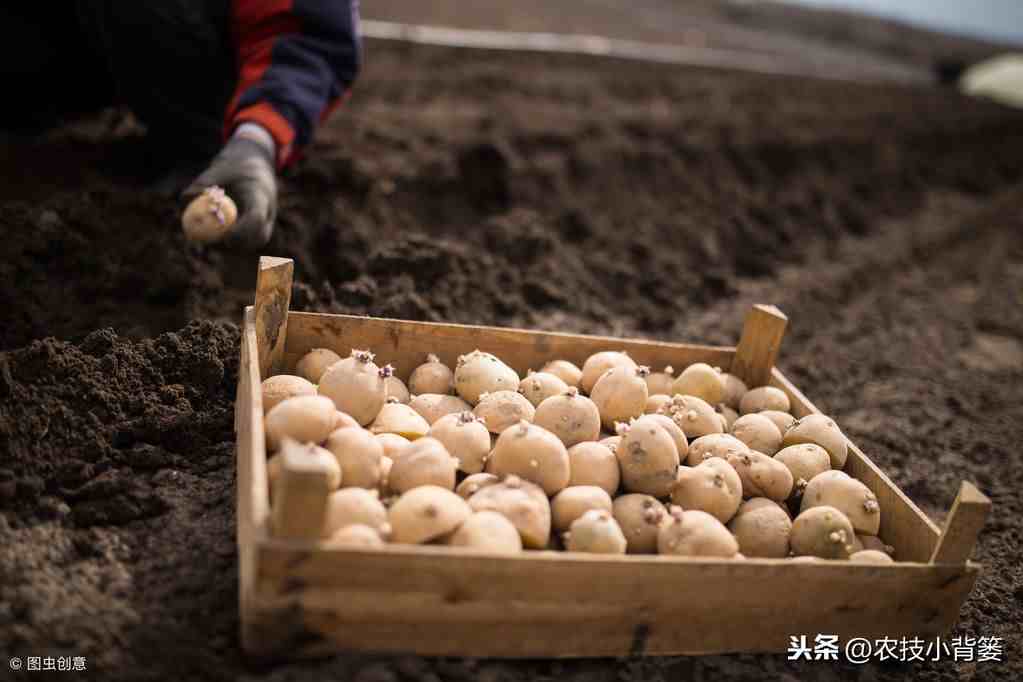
(297, 60)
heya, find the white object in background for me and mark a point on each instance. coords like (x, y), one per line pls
(999, 78)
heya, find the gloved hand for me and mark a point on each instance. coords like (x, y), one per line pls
(245, 169)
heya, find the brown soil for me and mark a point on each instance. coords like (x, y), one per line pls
(548, 192)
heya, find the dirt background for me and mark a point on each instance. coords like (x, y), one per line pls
(550, 192)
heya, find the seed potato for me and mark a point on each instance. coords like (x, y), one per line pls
(783, 420)
(424, 462)
(210, 216)
(358, 452)
(694, 416)
(393, 444)
(488, 531)
(356, 535)
(728, 415)
(850, 496)
(721, 445)
(671, 425)
(713, 487)
(395, 389)
(466, 438)
(595, 532)
(611, 442)
(762, 476)
(762, 528)
(647, 457)
(758, 433)
(695, 533)
(349, 506)
(474, 483)
(655, 403)
(477, 373)
(571, 417)
(661, 382)
(870, 556)
(433, 376)
(640, 517)
(304, 418)
(701, 380)
(764, 398)
(425, 513)
(823, 532)
(599, 363)
(356, 385)
(574, 501)
(278, 388)
(592, 463)
(523, 503)
(533, 453)
(400, 420)
(502, 409)
(538, 386)
(822, 430)
(735, 388)
(344, 421)
(620, 394)
(804, 462)
(564, 370)
(313, 364)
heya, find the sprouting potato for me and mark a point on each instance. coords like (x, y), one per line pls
(764, 398)
(466, 437)
(474, 483)
(695, 533)
(721, 445)
(693, 415)
(822, 430)
(804, 461)
(564, 370)
(395, 389)
(502, 409)
(611, 442)
(728, 415)
(620, 394)
(647, 457)
(701, 380)
(735, 388)
(393, 444)
(424, 462)
(571, 417)
(762, 476)
(425, 513)
(533, 453)
(758, 433)
(356, 385)
(343, 420)
(661, 382)
(599, 363)
(401, 420)
(278, 388)
(783, 420)
(433, 376)
(523, 503)
(640, 517)
(477, 373)
(488, 531)
(870, 556)
(823, 532)
(595, 532)
(671, 425)
(313, 364)
(209, 216)
(355, 505)
(574, 501)
(433, 406)
(762, 528)
(304, 418)
(593, 464)
(358, 452)
(273, 466)
(851, 497)
(538, 386)
(656, 402)
(713, 487)
(874, 542)
(355, 535)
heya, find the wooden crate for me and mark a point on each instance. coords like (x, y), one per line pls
(301, 599)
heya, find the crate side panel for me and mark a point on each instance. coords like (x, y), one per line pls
(903, 525)
(405, 344)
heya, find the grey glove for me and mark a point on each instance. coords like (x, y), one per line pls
(245, 169)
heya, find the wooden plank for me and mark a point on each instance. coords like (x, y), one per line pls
(253, 492)
(762, 334)
(273, 296)
(405, 344)
(963, 525)
(429, 600)
(903, 525)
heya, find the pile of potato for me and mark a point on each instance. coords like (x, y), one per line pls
(608, 458)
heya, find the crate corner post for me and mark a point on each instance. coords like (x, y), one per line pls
(273, 297)
(963, 526)
(762, 334)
